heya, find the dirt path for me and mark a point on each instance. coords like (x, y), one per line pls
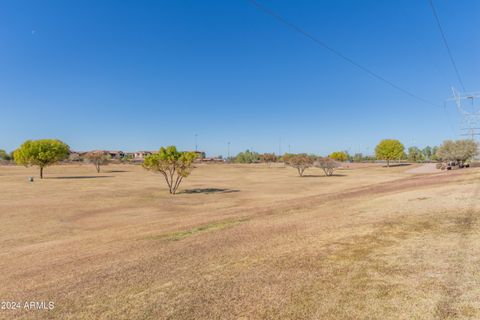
(426, 168)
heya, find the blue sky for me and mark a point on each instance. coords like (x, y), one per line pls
(136, 75)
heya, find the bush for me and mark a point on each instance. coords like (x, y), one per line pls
(328, 165)
(247, 157)
(300, 161)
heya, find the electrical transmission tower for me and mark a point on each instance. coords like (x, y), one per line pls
(469, 108)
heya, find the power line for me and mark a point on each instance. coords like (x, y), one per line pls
(339, 54)
(437, 19)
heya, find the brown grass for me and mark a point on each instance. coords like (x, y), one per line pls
(241, 242)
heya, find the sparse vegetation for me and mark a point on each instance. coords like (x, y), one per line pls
(172, 164)
(98, 159)
(41, 153)
(389, 149)
(371, 244)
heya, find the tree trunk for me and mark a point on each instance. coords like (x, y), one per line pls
(388, 163)
(41, 172)
(98, 168)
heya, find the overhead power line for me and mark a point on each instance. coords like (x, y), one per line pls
(340, 54)
(437, 19)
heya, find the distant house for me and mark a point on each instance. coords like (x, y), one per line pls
(140, 155)
(116, 154)
(213, 160)
(76, 156)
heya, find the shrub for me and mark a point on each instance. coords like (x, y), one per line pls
(328, 165)
(300, 161)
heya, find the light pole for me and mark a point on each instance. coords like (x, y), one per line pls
(228, 150)
(196, 144)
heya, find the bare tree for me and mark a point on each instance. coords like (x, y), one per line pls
(328, 165)
(98, 158)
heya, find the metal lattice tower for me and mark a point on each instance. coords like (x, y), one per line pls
(469, 108)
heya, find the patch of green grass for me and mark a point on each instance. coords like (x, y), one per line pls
(213, 226)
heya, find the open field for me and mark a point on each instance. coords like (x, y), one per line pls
(241, 242)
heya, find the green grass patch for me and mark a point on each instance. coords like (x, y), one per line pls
(213, 226)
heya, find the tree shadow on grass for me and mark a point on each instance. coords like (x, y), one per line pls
(209, 190)
(80, 177)
(322, 175)
(398, 165)
(116, 171)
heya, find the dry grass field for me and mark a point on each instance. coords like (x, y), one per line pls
(241, 242)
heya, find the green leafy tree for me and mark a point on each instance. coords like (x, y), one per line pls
(247, 157)
(98, 159)
(389, 149)
(4, 155)
(415, 154)
(172, 164)
(341, 156)
(41, 153)
(434, 156)
(300, 161)
(427, 152)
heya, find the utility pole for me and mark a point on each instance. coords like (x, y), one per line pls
(470, 112)
(279, 147)
(289, 151)
(196, 144)
(228, 150)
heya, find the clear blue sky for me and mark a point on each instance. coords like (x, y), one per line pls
(136, 75)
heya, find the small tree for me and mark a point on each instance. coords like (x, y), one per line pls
(268, 158)
(172, 164)
(328, 165)
(41, 153)
(300, 161)
(341, 156)
(389, 149)
(98, 159)
(415, 154)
